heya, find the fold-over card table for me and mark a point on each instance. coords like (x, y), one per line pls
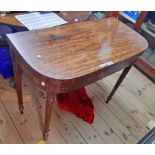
(67, 57)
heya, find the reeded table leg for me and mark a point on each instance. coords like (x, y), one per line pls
(121, 78)
(18, 79)
(48, 112)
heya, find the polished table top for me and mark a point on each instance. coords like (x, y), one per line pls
(71, 56)
(69, 16)
(75, 50)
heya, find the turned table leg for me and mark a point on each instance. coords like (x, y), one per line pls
(18, 80)
(48, 112)
(121, 78)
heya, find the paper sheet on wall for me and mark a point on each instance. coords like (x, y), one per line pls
(37, 20)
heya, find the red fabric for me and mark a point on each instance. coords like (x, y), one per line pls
(79, 103)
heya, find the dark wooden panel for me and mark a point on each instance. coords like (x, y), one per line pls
(146, 68)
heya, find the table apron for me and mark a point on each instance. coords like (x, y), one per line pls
(73, 84)
(57, 86)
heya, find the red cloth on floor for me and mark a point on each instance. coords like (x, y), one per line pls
(77, 102)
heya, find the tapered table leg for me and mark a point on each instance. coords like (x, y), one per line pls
(48, 112)
(121, 78)
(18, 80)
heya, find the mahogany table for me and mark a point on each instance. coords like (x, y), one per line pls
(67, 57)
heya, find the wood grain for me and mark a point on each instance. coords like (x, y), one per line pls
(12, 96)
(89, 46)
(121, 131)
(68, 57)
(117, 110)
(10, 20)
(146, 68)
(75, 16)
(8, 132)
(69, 16)
(62, 128)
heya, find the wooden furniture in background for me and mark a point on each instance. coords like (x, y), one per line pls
(68, 57)
(140, 20)
(112, 14)
(147, 69)
(75, 16)
(137, 23)
(141, 64)
(10, 20)
(69, 16)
